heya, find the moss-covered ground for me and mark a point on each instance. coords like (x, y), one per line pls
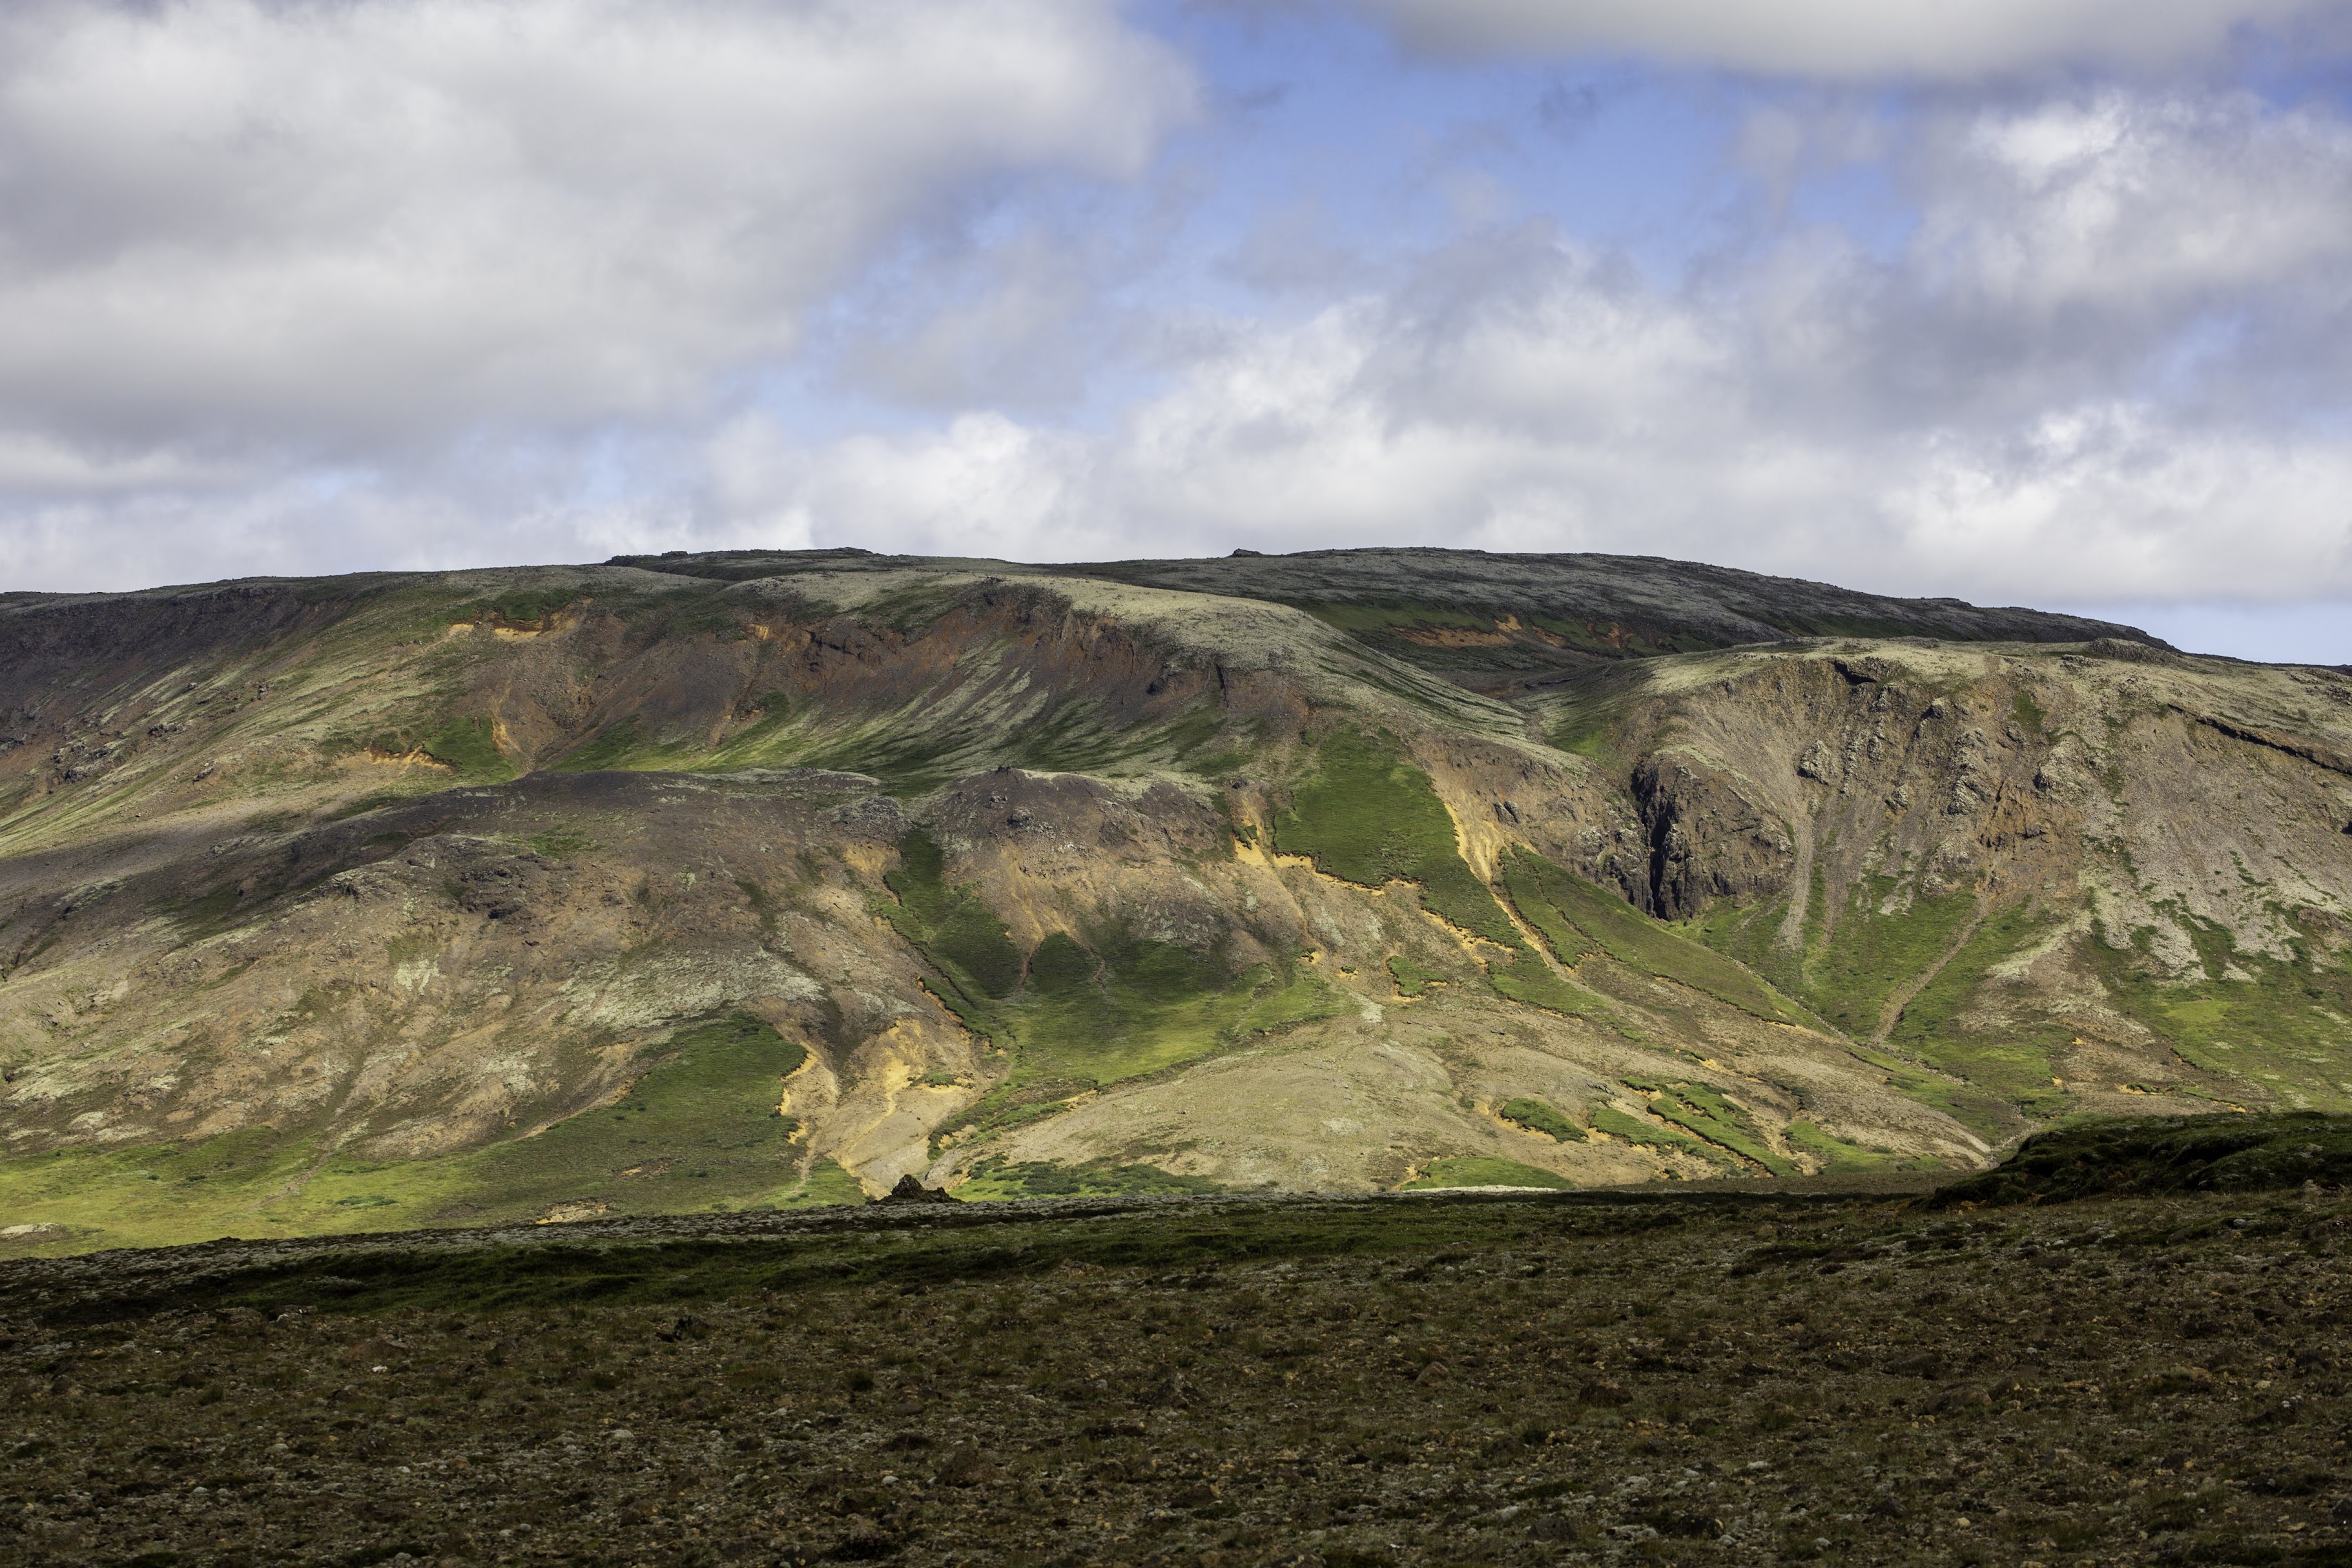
(983, 718)
(2096, 1156)
(1706, 1113)
(1837, 1155)
(1989, 1070)
(2276, 1028)
(1367, 815)
(966, 945)
(2014, 1059)
(1883, 938)
(999, 1179)
(1411, 980)
(1435, 1379)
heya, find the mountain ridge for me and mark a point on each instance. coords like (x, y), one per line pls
(541, 893)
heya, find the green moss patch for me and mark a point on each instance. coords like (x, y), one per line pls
(1634, 1130)
(1835, 1154)
(1412, 979)
(524, 606)
(827, 1185)
(2010, 1057)
(470, 746)
(1368, 816)
(1538, 1116)
(1076, 1015)
(1126, 1008)
(157, 1194)
(1705, 1112)
(699, 1129)
(2283, 1030)
(614, 746)
(1850, 973)
(1881, 940)
(969, 947)
(561, 843)
(1526, 980)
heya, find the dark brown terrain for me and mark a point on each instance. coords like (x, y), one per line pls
(1456, 1379)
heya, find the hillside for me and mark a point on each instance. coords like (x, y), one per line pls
(700, 883)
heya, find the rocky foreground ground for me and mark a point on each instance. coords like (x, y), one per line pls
(1680, 1376)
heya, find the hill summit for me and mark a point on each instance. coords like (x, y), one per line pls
(750, 879)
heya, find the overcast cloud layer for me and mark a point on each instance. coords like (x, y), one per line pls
(2042, 304)
(1958, 39)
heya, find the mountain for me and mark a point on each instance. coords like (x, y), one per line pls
(711, 882)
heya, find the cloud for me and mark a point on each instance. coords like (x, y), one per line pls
(2031, 400)
(1932, 40)
(342, 229)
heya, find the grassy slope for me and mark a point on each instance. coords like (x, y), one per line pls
(1100, 1178)
(2282, 1029)
(697, 1131)
(1076, 1015)
(1578, 918)
(1483, 1171)
(1847, 972)
(2285, 1028)
(1367, 815)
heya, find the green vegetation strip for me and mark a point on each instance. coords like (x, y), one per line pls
(1704, 1111)
(1537, 1115)
(1412, 979)
(999, 1179)
(966, 945)
(1632, 1130)
(1483, 1171)
(1838, 1156)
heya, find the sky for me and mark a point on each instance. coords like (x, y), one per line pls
(2022, 301)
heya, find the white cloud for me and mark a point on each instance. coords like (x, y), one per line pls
(2027, 404)
(344, 227)
(1846, 38)
(2136, 202)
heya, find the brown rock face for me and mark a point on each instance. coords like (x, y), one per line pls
(1707, 841)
